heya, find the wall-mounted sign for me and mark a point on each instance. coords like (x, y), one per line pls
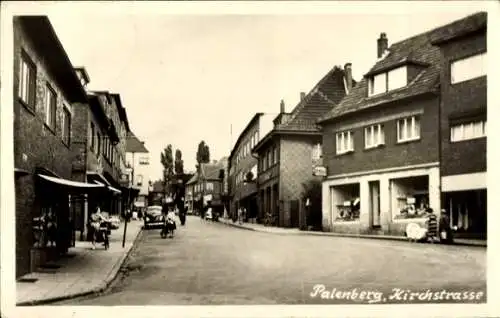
(319, 171)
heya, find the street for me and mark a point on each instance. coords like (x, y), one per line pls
(215, 264)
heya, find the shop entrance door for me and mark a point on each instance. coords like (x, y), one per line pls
(374, 187)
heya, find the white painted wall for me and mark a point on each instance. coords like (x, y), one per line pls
(134, 159)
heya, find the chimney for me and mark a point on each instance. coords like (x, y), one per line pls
(348, 77)
(282, 107)
(302, 96)
(381, 45)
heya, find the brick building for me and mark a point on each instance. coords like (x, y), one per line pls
(206, 186)
(382, 143)
(47, 93)
(242, 178)
(96, 147)
(289, 151)
(463, 123)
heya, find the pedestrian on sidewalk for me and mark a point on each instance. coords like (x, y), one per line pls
(240, 215)
(432, 225)
(95, 223)
(445, 230)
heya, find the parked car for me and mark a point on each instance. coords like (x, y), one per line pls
(114, 221)
(152, 217)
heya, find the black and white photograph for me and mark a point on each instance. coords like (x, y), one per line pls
(253, 159)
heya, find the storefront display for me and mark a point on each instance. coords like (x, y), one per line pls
(348, 211)
(413, 206)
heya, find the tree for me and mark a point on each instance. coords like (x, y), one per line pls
(179, 163)
(203, 153)
(168, 167)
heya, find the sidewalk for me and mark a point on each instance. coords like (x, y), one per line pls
(83, 272)
(296, 231)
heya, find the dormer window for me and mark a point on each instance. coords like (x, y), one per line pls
(388, 81)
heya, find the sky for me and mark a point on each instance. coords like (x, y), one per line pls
(188, 77)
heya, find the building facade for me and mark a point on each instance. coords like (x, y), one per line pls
(242, 165)
(463, 123)
(288, 153)
(382, 144)
(206, 187)
(137, 157)
(47, 94)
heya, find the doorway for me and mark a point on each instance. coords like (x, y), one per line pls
(374, 188)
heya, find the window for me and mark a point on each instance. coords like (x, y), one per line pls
(374, 136)
(378, 84)
(92, 136)
(275, 154)
(27, 81)
(345, 142)
(468, 68)
(144, 161)
(50, 107)
(268, 156)
(210, 186)
(139, 180)
(385, 82)
(471, 130)
(408, 129)
(317, 152)
(66, 126)
(98, 144)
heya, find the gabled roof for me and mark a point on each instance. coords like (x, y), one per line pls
(47, 44)
(415, 50)
(134, 144)
(211, 171)
(193, 179)
(470, 24)
(327, 93)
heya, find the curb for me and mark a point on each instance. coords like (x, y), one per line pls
(332, 234)
(96, 290)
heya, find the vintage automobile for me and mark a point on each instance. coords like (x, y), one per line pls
(152, 217)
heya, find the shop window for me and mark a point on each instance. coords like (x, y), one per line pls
(45, 228)
(346, 202)
(467, 131)
(410, 197)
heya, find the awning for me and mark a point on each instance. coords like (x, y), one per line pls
(109, 187)
(70, 183)
(95, 175)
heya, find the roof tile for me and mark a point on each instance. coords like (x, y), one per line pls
(417, 49)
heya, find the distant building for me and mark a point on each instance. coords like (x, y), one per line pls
(242, 165)
(288, 153)
(137, 158)
(206, 187)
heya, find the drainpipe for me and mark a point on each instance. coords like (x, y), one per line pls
(440, 140)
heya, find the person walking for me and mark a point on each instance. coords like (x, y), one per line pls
(432, 225)
(95, 223)
(445, 230)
